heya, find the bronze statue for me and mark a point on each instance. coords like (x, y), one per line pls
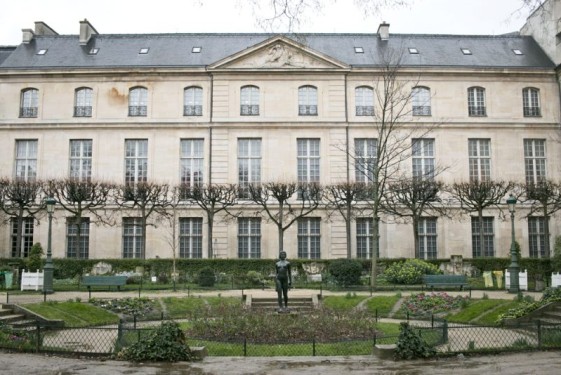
(283, 280)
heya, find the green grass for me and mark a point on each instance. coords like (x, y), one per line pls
(383, 304)
(342, 303)
(389, 329)
(180, 308)
(473, 310)
(74, 314)
(492, 317)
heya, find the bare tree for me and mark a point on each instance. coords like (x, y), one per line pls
(149, 198)
(276, 200)
(545, 199)
(212, 199)
(344, 198)
(19, 200)
(476, 196)
(81, 198)
(414, 198)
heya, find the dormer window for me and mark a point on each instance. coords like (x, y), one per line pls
(93, 51)
(517, 52)
(143, 51)
(413, 51)
(466, 51)
(42, 52)
(359, 50)
(196, 49)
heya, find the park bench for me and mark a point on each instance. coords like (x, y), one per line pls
(102, 281)
(432, 281)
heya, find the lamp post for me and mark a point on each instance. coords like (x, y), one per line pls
(48, 269)
(514, 268)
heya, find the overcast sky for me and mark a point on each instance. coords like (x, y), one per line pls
(489, 17)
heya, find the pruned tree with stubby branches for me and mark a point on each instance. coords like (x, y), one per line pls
(80, 198)
(348, 199)
(277, 200)
(20, 199)
(150, 199)
(212, 199)
(544, 198)
(412, 198)
(477, 196)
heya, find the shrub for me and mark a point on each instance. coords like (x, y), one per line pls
(165, 344)
(410, 345)
(34, 261)
(409, 272)
(206, 277)
(254, 278)
(346, 271)
(423, 304)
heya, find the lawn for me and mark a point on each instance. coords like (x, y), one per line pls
(181, 308)
(382, 305)
(74, 314)
(347, 302)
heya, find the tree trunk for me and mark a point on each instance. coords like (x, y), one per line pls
(416, 237)
(546, 234)
(481, 236)
(280, 227)
(348, 230)
(375, 240)
(209, 239)
(19, 235)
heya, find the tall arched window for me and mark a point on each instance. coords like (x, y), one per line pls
(364, 101)
(531, 102)
(29, 103)
(476, 101)
(193, 101)
(249, 101)
(138, 101)
(307, 101)
(421, 101)
(83, 102)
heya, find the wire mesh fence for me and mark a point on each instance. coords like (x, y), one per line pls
(444, 337)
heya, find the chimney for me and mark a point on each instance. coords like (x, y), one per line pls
(86, 32)
(384, 31)
(28, 35)
(41, 28)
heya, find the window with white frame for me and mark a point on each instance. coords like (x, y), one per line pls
(365, 238)
(365, 159)
(26, 160)
(249, 238)
(249, 101)
(309, 238)
(29, 103)
(483, 239)
(476, 101)
(191, 163)
(307, 101)
(423, 158)
(531, 102)
(308, 163)
(427, 238)
(191, 237)
(78, 248)
(193, 101)
(81, 159)
(249, 164)
(538, 246)
(534, 160)
(421, 101)
(133, 240)
(479, 159)
(83, 102)
(22, 250)
(364, 101)
(136, 161)
(138, 101)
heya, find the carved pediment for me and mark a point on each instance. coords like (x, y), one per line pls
(278, 53)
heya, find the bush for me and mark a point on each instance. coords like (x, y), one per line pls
(206, 277)
(254, 278)
(165, 344)
(410, 272)
(346, 271)
(34, 261)
(410, 345)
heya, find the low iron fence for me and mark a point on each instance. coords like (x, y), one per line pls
(444, 337)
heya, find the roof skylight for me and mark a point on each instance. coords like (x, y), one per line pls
(42, 52)
(143, 51)
(413, 51)
(93, 51)
(359, 50)
(466, 51)
(196, 49)
(517, 52)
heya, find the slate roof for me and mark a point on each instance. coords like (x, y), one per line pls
(174, 50)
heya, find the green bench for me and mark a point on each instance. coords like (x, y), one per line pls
(433, 281)
(102, 281)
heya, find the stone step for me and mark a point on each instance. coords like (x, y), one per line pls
(4, 312)
(8, 319)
